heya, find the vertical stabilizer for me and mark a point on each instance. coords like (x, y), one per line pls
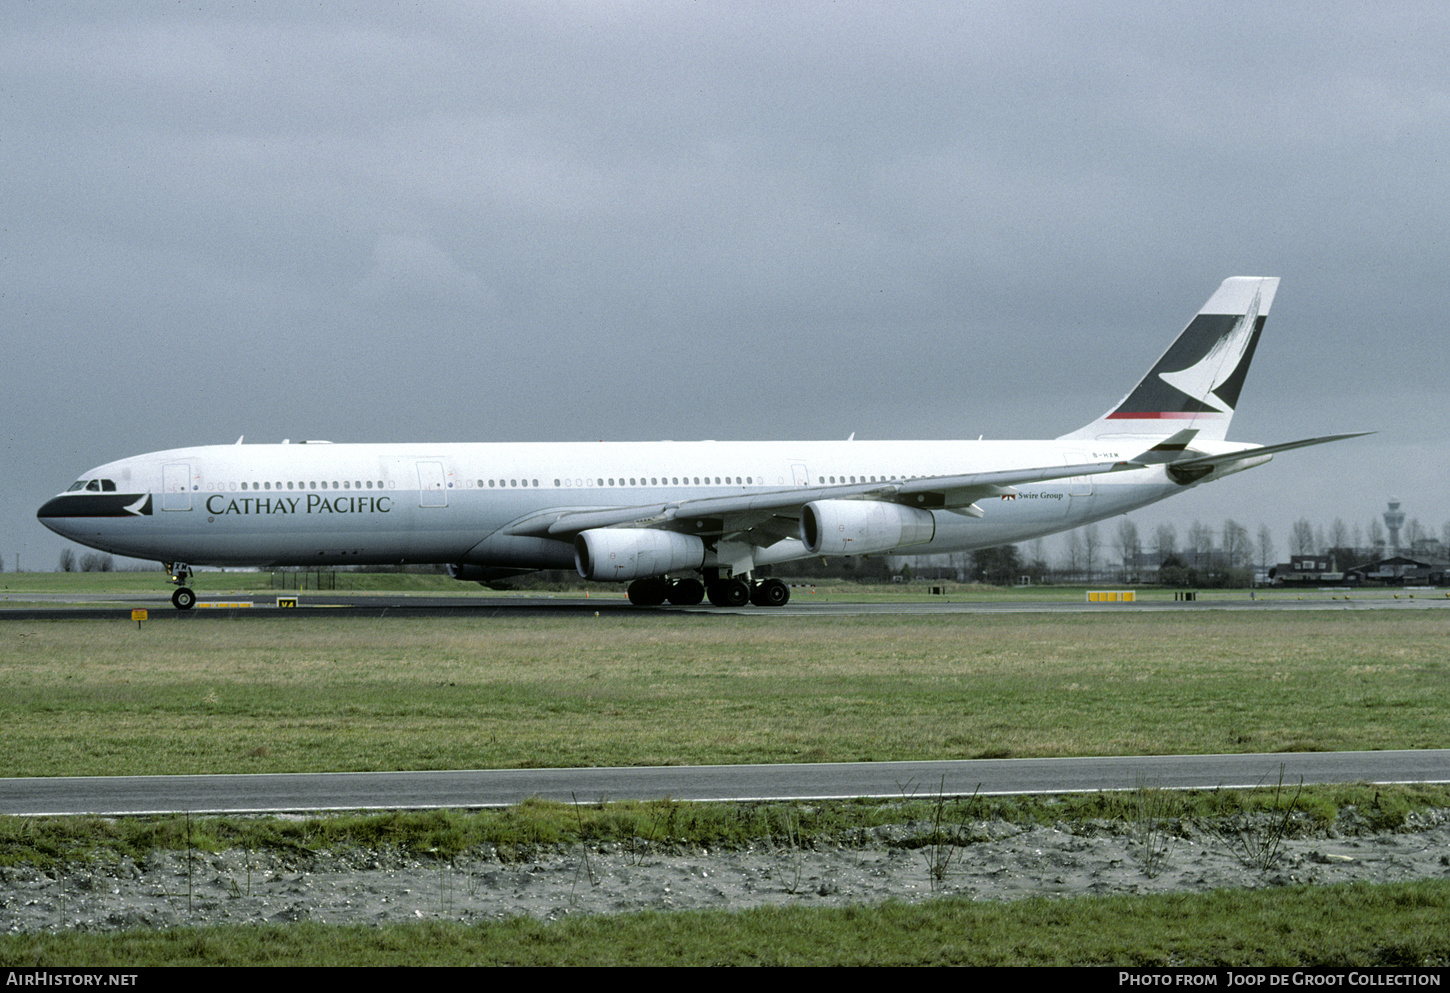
(1195, 384)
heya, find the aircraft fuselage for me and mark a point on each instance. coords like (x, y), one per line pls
(347, 504)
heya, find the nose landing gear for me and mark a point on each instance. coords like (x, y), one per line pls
(179, 573)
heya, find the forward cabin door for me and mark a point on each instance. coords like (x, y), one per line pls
(176, 486)
(432, 486)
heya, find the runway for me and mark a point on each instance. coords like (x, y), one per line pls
(887, 780)
(312, 605)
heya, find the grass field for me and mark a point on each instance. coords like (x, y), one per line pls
(1344, 926)
(103, 698)
(90, 697)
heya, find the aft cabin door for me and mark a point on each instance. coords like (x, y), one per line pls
(432, 486)
(176, 486)
(1078, 486)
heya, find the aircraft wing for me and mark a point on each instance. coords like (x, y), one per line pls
(763, 518)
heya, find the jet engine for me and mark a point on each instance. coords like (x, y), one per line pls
(862, 527)
(621, 554)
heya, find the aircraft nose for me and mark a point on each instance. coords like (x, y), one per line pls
(53, 515)
(69, 511)
(52, 508)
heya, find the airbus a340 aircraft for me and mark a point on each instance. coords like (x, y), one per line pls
(656, 514)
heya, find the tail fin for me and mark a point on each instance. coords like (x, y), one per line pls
(1195, 384)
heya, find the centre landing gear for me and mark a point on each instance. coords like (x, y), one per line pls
(655, 590)
(735, 592)
(179, 573)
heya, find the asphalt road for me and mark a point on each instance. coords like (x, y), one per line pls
(894, 780)
(311, 605)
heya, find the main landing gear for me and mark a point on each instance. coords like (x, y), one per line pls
(179, 573)
(734, 592)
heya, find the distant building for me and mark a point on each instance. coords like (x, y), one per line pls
(1401, 570)
(1313, 570)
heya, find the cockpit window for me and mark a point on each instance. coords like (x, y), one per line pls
(93, 486)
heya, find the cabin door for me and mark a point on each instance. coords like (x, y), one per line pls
(176, 486)
(432, 488)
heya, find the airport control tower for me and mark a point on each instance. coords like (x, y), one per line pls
(1394, 520)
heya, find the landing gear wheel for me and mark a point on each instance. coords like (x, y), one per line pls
(729, 593)
(183, 599)
(686, 592)
(648, 592)
(771, 593)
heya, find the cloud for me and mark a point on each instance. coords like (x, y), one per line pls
(408, 270)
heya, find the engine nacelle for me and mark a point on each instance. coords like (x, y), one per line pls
(862, 527)
(622, 554)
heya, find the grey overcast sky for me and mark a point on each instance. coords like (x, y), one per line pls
(593, 220)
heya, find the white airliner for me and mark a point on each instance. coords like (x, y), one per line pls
(655, 514)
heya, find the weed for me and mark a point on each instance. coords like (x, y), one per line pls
(588, 866)
(1151, 813)
(790, 825)
(1258, 840)
(945, 841)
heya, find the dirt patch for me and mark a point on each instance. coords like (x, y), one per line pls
(999, 861)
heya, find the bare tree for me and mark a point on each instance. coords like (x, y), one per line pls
(1266, 548)
(67, 562)
(1236, 545)
(1376, 535)
(1074, 554)
(1038, 552)
(1165, 541)
(1413, 534)
(1200, 536)
(1301, 538)
(1338, 534)
(1092, 543)
(1129, 547)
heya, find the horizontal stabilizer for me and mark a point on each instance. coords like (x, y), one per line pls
(1210, 461)
(1167, 450)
